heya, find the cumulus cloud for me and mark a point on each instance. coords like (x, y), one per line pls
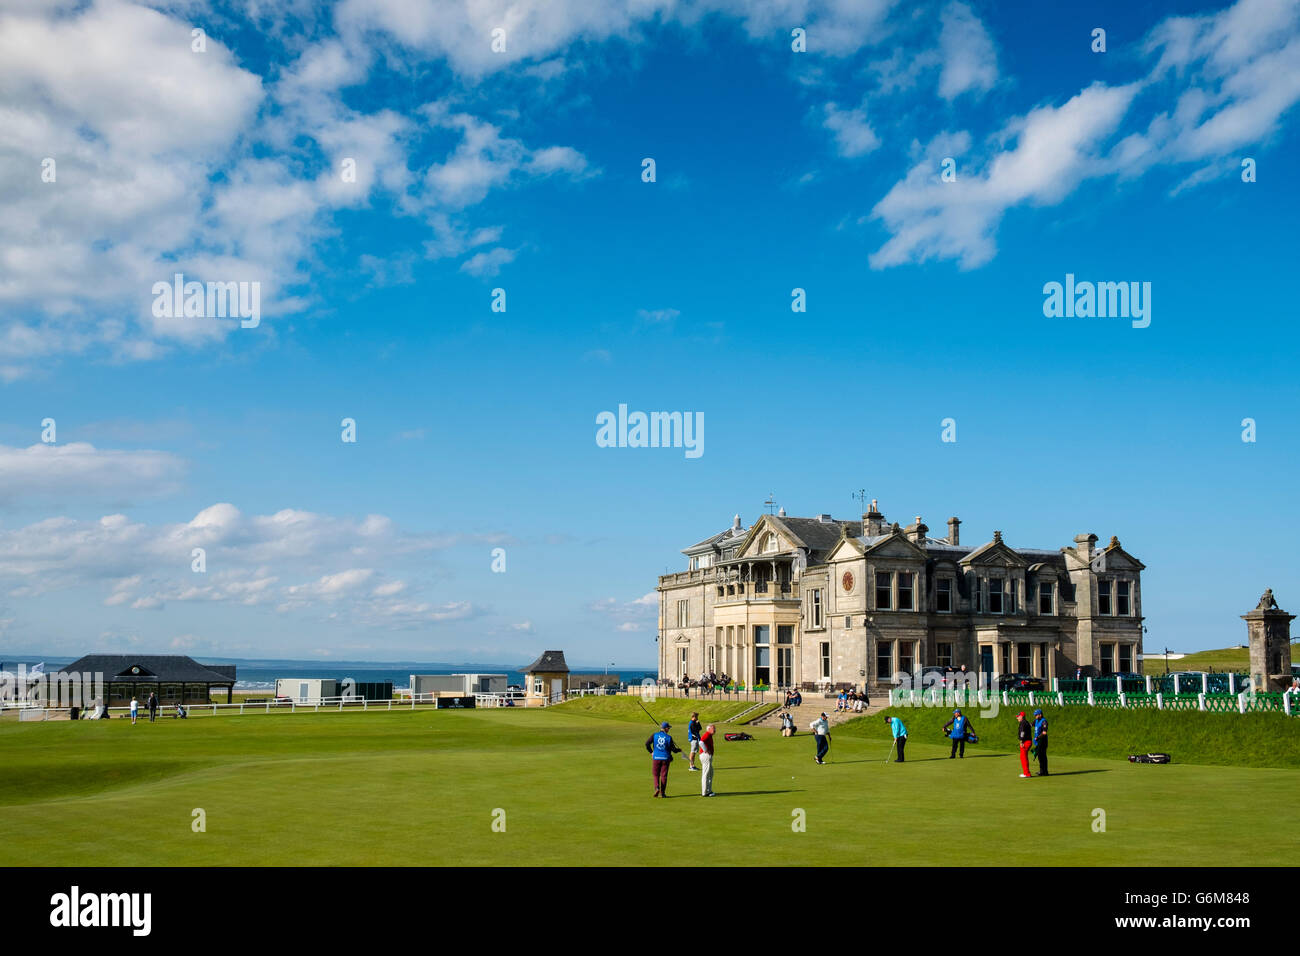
(853, 134)
(79, 469)
(970, 61)
(1232, 76)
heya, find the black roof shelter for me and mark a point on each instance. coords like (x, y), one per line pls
(551, 662)
(145, 673)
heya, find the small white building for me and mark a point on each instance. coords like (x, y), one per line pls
(458, 685)
(306, 690)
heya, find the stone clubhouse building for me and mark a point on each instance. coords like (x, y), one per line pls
(811, 602)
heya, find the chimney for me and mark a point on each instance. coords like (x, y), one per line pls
(735, 523)
(954, 531)
(781, 513)
(1084, 548)
(873, 522)
(824, 519)
(916, 532)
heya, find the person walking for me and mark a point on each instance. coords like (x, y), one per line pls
(693, 737)
(821, 729)
(152, 704)
(135, 710)
(900, 736)
(957, 729)
(706, 760)
(1040, 741)
(661, 748)
(1026, 734)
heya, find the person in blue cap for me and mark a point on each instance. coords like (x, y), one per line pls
(661, 747)
(900, 736)
(957, 729)
(1040, 741)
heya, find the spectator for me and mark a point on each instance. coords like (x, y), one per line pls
(787, 725)
(152, 704)
(135, 710)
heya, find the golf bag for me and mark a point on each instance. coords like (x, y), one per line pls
(1148, 758)
(740, 736)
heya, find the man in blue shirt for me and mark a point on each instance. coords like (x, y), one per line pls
(957, 729)
(900, 736)
(1040, 741)
(661, 747)
(693, 731)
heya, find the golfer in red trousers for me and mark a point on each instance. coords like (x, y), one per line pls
(1026, 741)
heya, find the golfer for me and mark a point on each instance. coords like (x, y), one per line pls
(135, 709)
(693, 736)
(1040, 741)
(957, 729)
(706, 761)
(900, 736)
(152, 704)
(821, 729)
(661, 747)
(1026, 734)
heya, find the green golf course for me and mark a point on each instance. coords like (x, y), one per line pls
(424, 787)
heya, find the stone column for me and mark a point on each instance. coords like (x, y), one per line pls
(1269, 630)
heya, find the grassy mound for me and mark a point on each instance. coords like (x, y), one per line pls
(1191, 737)
(674, 710)
(1225, 659)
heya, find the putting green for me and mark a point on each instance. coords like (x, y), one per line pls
(425, 787)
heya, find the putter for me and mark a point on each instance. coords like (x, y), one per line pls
(891, 750)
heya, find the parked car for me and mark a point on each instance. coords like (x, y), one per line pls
(1020, 682)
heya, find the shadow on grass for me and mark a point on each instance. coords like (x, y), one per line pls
(1072, 773)
(752, 793)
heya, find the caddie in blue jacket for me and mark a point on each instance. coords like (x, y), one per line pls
(957, 728)
(661, 747)
(1040, 741)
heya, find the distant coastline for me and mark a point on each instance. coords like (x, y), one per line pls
(261, 674)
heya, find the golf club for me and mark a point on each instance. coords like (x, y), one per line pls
(891, 750)
(647, 713)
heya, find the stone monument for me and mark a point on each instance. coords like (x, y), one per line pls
(1269, 629)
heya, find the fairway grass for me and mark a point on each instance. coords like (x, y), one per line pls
(421, 788)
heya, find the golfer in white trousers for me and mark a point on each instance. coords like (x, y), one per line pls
(706, 761)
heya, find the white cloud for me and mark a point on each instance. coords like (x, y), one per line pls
(970, 62)
(658, 316)
(79, 469)
(853, 134)
(488, 263)
(1054, 149)
(1232, 76)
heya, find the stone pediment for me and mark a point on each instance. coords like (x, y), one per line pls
(994, 554)
(897, 545)
(848, 549)
(1115, 558)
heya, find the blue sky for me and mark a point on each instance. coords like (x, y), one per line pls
(522, 170)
